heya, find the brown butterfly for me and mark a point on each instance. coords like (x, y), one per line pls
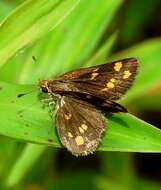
(82, 96)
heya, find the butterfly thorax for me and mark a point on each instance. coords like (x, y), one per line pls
(56, 86)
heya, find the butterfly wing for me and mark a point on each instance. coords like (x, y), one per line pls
(79, 125)
(101, 103)
(110, 80)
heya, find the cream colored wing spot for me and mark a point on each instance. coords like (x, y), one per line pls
(84, 126)
(67, 116)
(81, 130)
(112, 80)
(126, 74)
(70, 135)
(79, 140)
(118, 66)
(110, 85)
(93, 75)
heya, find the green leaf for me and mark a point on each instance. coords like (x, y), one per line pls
(26, 161)
(146, 184)
(22, 117)
(67, 47)
(130, 134)
(103, 52)
(137, 21)
(148, 102)
(21, 27)
(4, 9)
(26, 113)
(124, 161)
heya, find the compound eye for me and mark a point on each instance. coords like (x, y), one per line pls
(44, 89)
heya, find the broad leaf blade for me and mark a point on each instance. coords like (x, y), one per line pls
(130, 134)
(67, 47)
(21, 27)
(22, 117)
(103, 52)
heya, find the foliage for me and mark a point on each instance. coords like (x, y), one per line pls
(59, 36)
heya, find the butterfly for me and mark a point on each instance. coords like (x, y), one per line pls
(83, 96)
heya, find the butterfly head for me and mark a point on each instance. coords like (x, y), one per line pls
(44, 86)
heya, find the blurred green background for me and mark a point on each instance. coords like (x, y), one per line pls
(40, 39)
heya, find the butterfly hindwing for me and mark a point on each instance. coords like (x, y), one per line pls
(110, 80)
(101, 103)
(79, 125)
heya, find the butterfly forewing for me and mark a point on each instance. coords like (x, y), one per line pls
(79, 125)
(110, 80)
